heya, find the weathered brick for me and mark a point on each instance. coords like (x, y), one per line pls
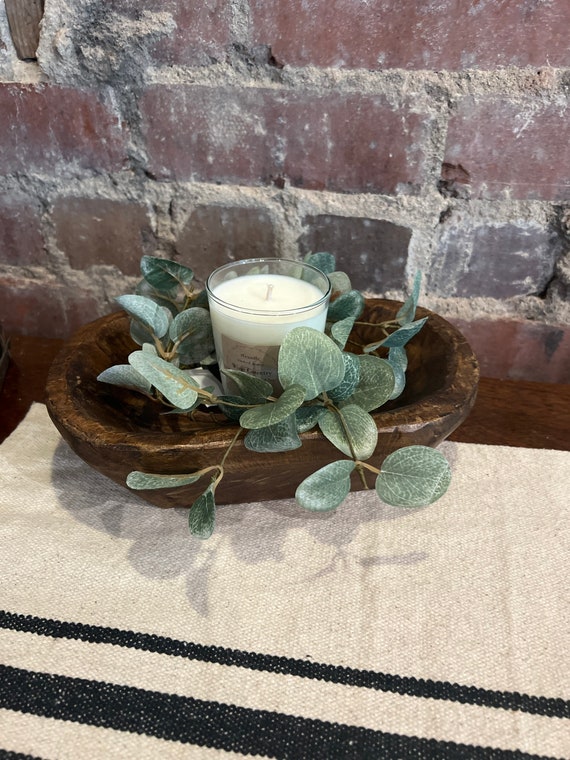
(510, 149)
(519, 349)
(413, 35)
(337, 141)
(45, 309)
(21, 240)
(373, 252)
(95, 231)
(214, 235)
(42, 126)
(201, 34)
(493, 260)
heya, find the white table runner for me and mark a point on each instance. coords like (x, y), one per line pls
(370, 632)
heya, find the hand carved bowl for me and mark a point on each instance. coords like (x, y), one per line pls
(116, 430)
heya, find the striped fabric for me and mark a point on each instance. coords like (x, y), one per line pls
(372, 632)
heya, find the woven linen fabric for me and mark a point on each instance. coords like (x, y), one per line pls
(369, 632)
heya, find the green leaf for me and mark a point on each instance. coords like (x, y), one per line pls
(202, 515)
(398, 360)
(166, 299)
(341, 330)
(403, 334)
(125, 376)
(413, 477)
(350, 380)
(273, 411)
(407, 312)
(282, 436)
(248, 386)
(143, 480)
(349, 304)
(233, 413)
(310, 359)
(340, 282)
(154, 318)
(307, 417)
(192, 328)
(326, 262)
(174, 384)
(164, 275)
(356, 434)
(376, 383)
(326, 488)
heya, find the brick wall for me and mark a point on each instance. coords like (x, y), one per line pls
(398, 135)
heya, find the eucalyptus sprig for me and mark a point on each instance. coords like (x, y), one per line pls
(323, 385)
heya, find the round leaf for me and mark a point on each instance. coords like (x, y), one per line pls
(350, 380)
(413, 477)
(280, 437)
(355, 434)
(310, 359)
(174, 384)
(274, 411)
(326, 488)
(376, 383)
(125, 376)
(151, 316)
(164, 274)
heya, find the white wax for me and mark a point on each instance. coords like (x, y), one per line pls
(258, 305)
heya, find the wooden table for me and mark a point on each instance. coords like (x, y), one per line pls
(507, 412)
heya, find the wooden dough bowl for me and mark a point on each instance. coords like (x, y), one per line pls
(116, 431)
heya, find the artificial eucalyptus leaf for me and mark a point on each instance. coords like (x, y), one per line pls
(125, 376)
(143, 480)
(398, 360)
(200, 300)
(248, 386)
(407, 312)
(347, 386)
(166, 299)
(349, 304)
(307, 417)
(164, 274)
(192, 330)
(282, 436)
(233, 407)
(326, 488)
(341, 330)
(172, 382)
(376, 383)
(310, 359)
(322, 260)
(413, 477)
(202, 517)
(151, 316)
(403, 334)
(351, 430)
(340, 283)
(273, 411)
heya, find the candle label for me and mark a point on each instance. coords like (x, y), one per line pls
(259, 361)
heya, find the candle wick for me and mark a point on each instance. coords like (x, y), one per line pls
(269, 292)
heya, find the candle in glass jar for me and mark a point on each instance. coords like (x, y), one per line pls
(252, 312)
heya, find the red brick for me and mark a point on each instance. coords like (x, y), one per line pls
(493, 260)
(42, 126)
(519, 349)
(340, 142)
(381, 34)
(21, 240)
(202, 30)
(95, 231)
(48, 310)
(373, 252)
(510, 149)
(214, 235)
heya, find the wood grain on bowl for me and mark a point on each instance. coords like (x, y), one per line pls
(116, 431)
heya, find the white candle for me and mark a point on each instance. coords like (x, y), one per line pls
(252, 313)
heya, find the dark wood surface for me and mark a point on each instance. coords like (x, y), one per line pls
(507, 412)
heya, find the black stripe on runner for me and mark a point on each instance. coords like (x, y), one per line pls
(217, 725)
(416, 687)
(6, 754)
